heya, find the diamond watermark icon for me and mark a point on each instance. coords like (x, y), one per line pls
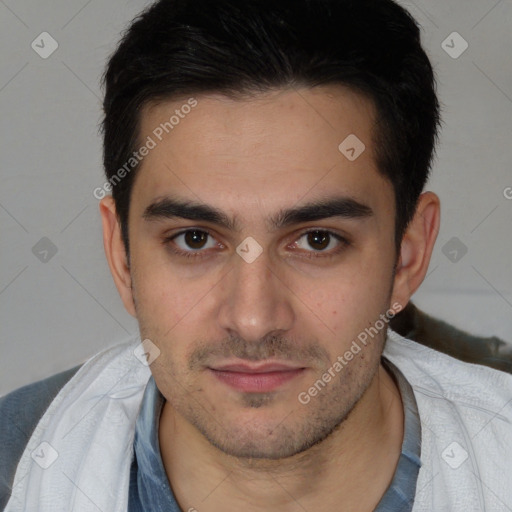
(44, 250)
(454, 249)
(249, 249)
(454, 455)
(146, 352)
(454, 45)
(45, 455)
(351, 147)
(44, 45)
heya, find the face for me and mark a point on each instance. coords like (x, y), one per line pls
(258, 253)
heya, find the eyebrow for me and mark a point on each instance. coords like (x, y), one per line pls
(344, 207)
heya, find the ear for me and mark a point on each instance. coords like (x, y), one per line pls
(115, 252)
(416, 248)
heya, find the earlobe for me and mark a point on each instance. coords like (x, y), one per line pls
(115, 253)
(416, 248)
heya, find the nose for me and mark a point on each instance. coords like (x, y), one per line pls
(255, 301)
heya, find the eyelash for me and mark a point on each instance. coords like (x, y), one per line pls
(344, 243)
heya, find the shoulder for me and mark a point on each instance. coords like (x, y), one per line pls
(466, 419)
(445, 372)
(20, 411)
(442, 380)
(21, 407)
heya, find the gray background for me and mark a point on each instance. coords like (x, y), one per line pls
(58, 309)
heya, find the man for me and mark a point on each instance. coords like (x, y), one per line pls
(267, 221)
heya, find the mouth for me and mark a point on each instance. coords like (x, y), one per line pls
(259, 378)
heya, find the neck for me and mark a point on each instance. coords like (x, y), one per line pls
(351, 468)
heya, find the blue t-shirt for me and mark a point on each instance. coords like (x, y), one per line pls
(150, 490)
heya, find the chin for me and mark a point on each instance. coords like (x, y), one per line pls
(265, 437)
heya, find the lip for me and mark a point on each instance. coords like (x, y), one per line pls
(260, 378)
(256, 368)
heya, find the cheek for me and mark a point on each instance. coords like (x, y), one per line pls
(165, 310)
(159, 298)
(170, 306)
(354, 301)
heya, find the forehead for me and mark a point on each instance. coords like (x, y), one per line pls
(281, 145)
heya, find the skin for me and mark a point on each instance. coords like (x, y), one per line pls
(223, 448)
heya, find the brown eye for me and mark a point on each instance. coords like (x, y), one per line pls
(321, 243)
(195, 239)
(318, 240)
(192, 241)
